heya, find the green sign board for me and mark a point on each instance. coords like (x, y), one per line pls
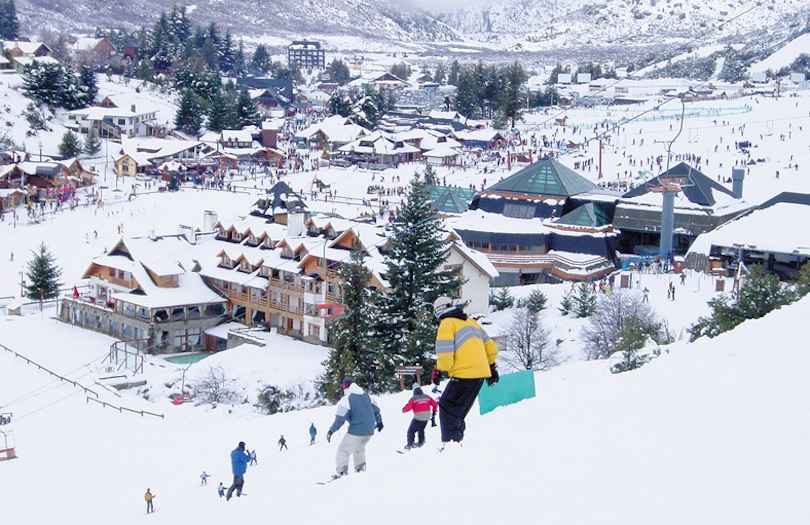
(512, 388)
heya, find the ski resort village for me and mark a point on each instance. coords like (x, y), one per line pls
(483, 262)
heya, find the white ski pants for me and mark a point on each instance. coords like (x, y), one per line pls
(351, 445)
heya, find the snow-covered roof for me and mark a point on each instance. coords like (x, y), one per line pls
(29, 60)
(156, 148)
(27, 48)
(478, 135)
(766, 230)
(273, 124)
(85, 43)
(336, 128)
(236, 135)
(477, 258)
(441, 152)
(482, 221)
(378, 144)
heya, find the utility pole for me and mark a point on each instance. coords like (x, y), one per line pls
(22, 285)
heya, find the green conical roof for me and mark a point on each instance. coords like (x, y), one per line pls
(545, 177)
(586, 215)
(449, 199)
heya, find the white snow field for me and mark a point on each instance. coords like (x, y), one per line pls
(785, 55)
(711, 432)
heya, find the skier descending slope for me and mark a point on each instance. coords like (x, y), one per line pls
(363, 415)
(424, 410)
(467, 354)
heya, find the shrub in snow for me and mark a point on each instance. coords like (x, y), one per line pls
(584, 301)
(272, 399)
(36, 120)
(566, 305)
(501, 300)
(613, 313)
(536, 302)
(760, 294)
(635, 347)
(215, 388)
(43, 275)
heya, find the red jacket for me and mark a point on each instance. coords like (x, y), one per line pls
(422, 406)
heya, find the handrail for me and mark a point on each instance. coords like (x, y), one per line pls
(49, 371)
(122, 409)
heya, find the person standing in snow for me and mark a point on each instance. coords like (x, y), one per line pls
(646, 298)
(148, 497)
(204, 478)
(253, 459)
(363, 416)
(468, 355)
(313, 433)
(282, 443)
(221, 490)
(239, 464)
(424, 410)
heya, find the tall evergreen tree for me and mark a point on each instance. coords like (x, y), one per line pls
(43, 83)
(260, 62)
(9, 25)
(512, 98)
(247, 114)
(416, 275)
(338, 71)
(43, 275)
(87, 83)
(226, 53)
(355, 351)
(219, 112)
(92, 145)
(466, 94)
(70, 146)
(189, 116)
(441, 74)
(453, 75)
(239, 61)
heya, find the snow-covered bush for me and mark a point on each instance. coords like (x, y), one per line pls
(272, 399)
(215, 388)
(613, 314)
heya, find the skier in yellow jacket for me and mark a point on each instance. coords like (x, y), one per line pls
(467, 354)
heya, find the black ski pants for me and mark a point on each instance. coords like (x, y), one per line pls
(456, 401)
(416, 429)
(238, 483)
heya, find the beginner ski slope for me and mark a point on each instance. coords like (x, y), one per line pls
(712, 432)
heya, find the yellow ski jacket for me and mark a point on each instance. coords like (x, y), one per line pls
(463, 349)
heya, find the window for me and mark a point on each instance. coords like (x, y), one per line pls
(121, 121)
(518, 211)
(314, 331)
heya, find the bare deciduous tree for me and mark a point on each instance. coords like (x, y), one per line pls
(527, 346)
(215, 387)
(613, 312)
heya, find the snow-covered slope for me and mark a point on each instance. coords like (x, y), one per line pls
(785, 55)
(606, 22)
(712, 432)
(372, 18)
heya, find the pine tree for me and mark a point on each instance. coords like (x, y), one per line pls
(43, 83)
(338, 71)
(511, 99)
(584, 301)
(247, 114)
(355, 351)
(239, 61)
(429, 175)
(218, 112)
(502, 300)
(260, 63)
(226, 53)
(536, 302)
(453, 75)
(9, 25)
(416, 276)
(466, 94)
(43, 275)
(87, 83)
(71, 146)
(339, 104)
(189, 116)
(92, 145)
(441, 74)
(566, 305)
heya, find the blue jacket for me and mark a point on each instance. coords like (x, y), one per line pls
(239, 461)
(312, 430)
(359, 410)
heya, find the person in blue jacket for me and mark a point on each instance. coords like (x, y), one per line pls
(363, 415)
(239, 463)
(313, 433)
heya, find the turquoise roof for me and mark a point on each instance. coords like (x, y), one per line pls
(450, 199)
(545, 177)
(586, 215)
